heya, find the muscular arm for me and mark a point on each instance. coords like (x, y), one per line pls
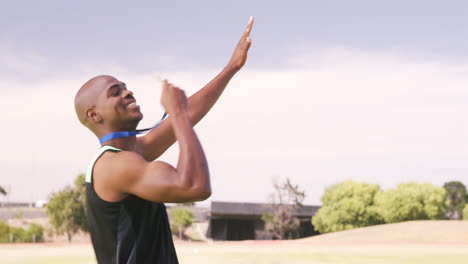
(159, 181)
(159, 140)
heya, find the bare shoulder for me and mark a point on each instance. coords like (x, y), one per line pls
(113, 171)
(118, 174)
(120, 167)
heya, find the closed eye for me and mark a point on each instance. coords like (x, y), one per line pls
(116, 89)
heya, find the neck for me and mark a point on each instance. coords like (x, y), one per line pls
(126, 143)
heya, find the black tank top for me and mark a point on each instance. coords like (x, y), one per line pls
(129, 231)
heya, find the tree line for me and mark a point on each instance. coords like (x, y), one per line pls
(346, 205)
(351, 204)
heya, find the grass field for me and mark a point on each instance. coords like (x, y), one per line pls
(417, 242)
(241, 252)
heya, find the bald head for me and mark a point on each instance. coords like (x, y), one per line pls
(103, 104)
(87, 97)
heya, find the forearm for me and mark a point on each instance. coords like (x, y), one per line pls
(192, 167)
(202, 101)
(199, 104)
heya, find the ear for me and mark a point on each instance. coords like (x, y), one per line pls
(93, 115)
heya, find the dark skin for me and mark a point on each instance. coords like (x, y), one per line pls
(105, 105)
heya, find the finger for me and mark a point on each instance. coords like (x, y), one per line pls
(164, 84)
(181, 91)
(249, 26)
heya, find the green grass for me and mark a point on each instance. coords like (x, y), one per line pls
(239, 253)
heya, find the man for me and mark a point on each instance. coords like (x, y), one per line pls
(125, 188)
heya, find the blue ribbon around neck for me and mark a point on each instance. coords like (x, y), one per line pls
(121, 134)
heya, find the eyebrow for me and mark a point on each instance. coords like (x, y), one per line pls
(115, 86)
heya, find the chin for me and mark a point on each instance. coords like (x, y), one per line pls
(140, 117)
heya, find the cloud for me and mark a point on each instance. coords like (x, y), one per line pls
(328, 117)
(20, 62)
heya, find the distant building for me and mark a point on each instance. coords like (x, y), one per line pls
(242, 221)
(41, 203)
(16, 204)
(226, 220)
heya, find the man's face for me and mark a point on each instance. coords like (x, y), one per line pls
(117, 105)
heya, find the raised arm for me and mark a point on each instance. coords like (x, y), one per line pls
(153, 144)
(159, 181)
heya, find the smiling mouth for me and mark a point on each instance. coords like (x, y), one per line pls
(132, 105)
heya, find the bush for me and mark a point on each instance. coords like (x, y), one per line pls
(18, 235)
(412, 201)
(35, 233)
(4, 232)
(181, 218)
(347, 205)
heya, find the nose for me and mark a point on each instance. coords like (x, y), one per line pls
(128, 93)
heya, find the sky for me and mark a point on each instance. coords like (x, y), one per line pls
(331, 91)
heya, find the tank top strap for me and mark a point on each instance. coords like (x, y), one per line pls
(89, 171)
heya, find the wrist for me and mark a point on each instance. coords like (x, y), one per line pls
(179, 113)
(181, 119)
(231, 69)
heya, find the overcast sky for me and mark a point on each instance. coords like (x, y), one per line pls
(331, 91)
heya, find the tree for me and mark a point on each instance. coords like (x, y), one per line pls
(80, 188)
(181, 218)
(412, 201)
(456, 194)
(347, 205)
(66, 209)
(286, 201)
(465, 212)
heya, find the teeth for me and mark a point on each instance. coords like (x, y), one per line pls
(132, 104)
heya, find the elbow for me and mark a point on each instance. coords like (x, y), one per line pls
(200, 188)
(206, 194)
(202, 193)
(196, 192)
